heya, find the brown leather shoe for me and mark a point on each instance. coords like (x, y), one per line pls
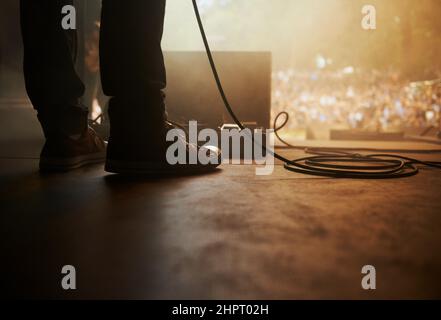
(61, 153)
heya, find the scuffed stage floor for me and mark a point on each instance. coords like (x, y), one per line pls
(229, 234)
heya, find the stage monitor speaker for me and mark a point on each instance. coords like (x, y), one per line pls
(192, 93)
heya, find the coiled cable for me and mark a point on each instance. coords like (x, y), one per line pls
(326, 162)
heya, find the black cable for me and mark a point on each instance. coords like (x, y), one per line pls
(326, 162)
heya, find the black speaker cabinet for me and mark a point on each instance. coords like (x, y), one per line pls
(192, 93)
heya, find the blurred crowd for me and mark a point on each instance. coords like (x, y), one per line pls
(352, 98)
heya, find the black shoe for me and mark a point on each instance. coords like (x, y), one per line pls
(150, 157)
(62, 153)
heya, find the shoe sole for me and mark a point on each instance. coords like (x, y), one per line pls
(152, 168)
(68, 164)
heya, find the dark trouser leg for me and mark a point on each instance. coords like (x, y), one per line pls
(51, 80)
(132, 64)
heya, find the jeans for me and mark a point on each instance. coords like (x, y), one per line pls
(131, 59)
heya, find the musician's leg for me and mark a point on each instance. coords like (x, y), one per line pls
(133, 74)
(131, 56)
(54, 87)
(52, 83)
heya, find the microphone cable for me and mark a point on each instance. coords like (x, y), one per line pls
(326, 162)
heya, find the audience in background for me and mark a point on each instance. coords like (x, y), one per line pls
(350, 98)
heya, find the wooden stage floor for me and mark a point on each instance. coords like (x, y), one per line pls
(229, 234)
